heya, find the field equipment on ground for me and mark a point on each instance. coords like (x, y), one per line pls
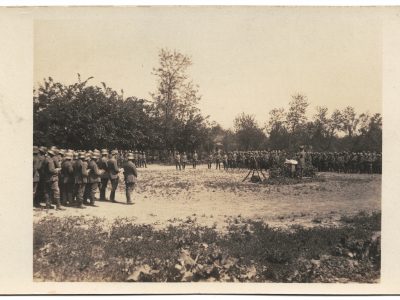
(255, 169)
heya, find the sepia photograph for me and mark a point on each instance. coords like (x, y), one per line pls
(208, 144)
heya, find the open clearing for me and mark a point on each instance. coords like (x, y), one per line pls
(164, 196)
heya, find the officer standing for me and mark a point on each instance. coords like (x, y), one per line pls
(195, 158)
(113, 170)
(130, 176)
(178, 161)
(209, 161)
(184, 160)
(302, 161)
(102, 164)
(144, 159)
(218, 160)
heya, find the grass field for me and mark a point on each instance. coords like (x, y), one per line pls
(208, 225)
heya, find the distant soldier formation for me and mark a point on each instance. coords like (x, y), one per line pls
(67, 178)
(342, 162)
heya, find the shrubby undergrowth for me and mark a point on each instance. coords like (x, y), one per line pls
(82, 249)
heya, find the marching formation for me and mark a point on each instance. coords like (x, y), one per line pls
(72, 178)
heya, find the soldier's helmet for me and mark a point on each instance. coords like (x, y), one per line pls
(35, 150)
(88, 156)
(68, 155)
(54, 149)
(61, 152)
(82, 155)
(130, 156)
(51, 152)
(104, 152)
(76, 155)
(42, 149)
(114, 152)
(97, 152)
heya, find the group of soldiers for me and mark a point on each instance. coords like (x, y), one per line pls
(72, 178)
(182, 160)
(342, 162)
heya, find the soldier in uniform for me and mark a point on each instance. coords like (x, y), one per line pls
(218, 160)
(184, 160)
(36, 177)
(94, 177)
(130, 176)
(144, 159)
(52, 191)
(67, 171)
(209, 160)
(178, 161)
(102, 164)
(113, 170)
(302, 161)
(195, 158)
(80, 178)
(42, 183)
(225, 161)
(140, 160)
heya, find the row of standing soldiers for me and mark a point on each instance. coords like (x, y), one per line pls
(72, 178)
(346, 162)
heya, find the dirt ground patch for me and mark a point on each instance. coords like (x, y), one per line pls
(164, 196)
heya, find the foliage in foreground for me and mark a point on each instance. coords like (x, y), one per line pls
(79, 249)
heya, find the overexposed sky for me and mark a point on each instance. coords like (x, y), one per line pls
(245, 59)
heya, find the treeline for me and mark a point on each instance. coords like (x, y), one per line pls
(84, 116)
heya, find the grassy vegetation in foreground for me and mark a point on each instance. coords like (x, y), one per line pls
(81, 249)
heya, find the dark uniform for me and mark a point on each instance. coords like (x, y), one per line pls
(80, 178)
(195, 158)
(130, 175)
(40, 191)
(67, 171)
(184, 160)
(52, 191)
(102, 164)
(113, 170)
(94, 179)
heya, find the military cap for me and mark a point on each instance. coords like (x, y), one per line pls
(51, 152)
(104, 152)
(35, 150)
(114, 152)
(88, 156)
(76, 155)
(61, 152)
(82, 155)
(68, 155)
(131, 156)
